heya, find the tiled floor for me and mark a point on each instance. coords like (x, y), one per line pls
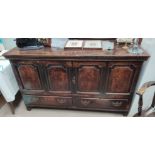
(22, 112)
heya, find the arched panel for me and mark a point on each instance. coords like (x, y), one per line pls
(120, 78)
(29, 76)
(89, 79)
(58, 78)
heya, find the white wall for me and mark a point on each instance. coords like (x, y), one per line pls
(147, 74)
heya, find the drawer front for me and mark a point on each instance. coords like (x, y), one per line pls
(53, 101)
(95, 103)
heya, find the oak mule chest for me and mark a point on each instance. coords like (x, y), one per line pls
(77, 79)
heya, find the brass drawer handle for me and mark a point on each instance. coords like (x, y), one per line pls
(61, 100)
(116, 103)
(85, 102)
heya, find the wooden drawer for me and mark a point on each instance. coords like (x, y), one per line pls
(96, 103)
(53, 101)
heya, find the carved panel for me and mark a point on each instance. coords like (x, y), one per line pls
(29, 76)
(58, 78)
(120, 78)
(88, 78)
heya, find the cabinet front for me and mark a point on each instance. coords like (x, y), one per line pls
(121, 77)
(88, 77)
(29, 76)
(58, 76)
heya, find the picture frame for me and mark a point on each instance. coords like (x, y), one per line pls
(92, 44)
(74, 44)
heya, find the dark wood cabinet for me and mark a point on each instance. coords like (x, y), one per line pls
(77, 79)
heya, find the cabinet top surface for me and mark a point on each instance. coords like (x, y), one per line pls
(119, 53)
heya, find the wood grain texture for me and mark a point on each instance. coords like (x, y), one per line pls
(120, 79)
(53, 101)
(29, 76)
(89, 76)
(122, 76)
(58, 78)
(88, 79)
(77, 79)
(97, 103)
(54, 53)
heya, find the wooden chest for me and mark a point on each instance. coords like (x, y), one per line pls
(77, 79)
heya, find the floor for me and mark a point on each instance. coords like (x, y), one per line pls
(22, 112)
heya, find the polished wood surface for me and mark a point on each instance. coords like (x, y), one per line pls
(53, 53)
(77, 79)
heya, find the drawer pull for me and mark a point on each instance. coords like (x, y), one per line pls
(85, 102)
(61, 100)
(116, 103)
